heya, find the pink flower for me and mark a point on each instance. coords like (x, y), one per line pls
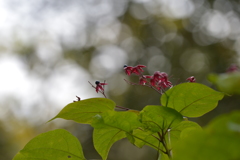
(191, 79)
(163, 81)
(136, 70)
(158, 77)
(232, 68)
(154, 78)
(99, 86)
(164, 84)
(139, 67)
(142, 80)
(128, 69)
(159, 80)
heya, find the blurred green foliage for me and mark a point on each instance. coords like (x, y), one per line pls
(219, 141)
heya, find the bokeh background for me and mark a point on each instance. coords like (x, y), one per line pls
(49, 50)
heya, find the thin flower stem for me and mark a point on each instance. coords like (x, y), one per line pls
(154, 89)
(131, 83)
(158, 153)
(92, 85)
(122, 107)
(168, 151)
(169, 141)
(103, 94)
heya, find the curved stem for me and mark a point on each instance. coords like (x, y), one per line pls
(123, 108)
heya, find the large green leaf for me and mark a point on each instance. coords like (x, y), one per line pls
(53, 145)
(227, 82)
(125, 121)
(112, 126)
(159, 118)
(104, 138)
(227, 123)
(83, 111)
(220, 140)
(191, 99)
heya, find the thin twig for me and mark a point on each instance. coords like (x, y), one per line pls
(122, 108)
(131, 83)
(92, 85)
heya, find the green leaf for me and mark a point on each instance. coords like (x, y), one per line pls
(156, 120)
(220, 140)
(83, 111)
(191, 99)
(225, 124)
(53, 145)
(227, 82)
(159, 118)
(182, 130)
(146, 137)
(110, 127)
(104, 138)
(125, 121)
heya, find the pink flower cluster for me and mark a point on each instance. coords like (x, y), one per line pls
(159, 80)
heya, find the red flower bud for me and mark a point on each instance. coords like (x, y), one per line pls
(99, 86)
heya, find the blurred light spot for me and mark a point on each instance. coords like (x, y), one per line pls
(193, 61)
(117, 84)
(152, 51)
(177, 9)
(222, 6)
(216, 24)
(141, 1)
(125, 33)
(108, 60)
(13, 75)
(138, 11)
(168, 37)
(109, 33)
(234, 22)
(48, 52)
(199, 3)
(204, 40)
(119, 7)
(153, 7)
(17, 84)
(67, 81)
(97, 8)
(158, 63)
(133, 48)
